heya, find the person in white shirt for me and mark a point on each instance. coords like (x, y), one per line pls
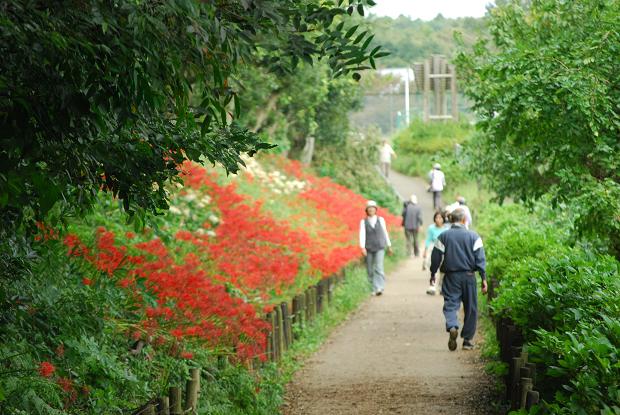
(438, 182)
(385, 157)
(461, 205)
(374, 240)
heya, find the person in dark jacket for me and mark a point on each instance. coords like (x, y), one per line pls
(412, 222)
(463, 254)
(374, 240)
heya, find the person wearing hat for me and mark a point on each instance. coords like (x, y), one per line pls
(462, 205)
(374, 240)
(438, 182)
(412, 222)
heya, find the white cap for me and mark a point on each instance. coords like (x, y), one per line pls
(414, 199)
(371, 203)
(436, 166)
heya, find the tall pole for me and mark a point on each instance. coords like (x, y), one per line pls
(427, 89)
(407, 119)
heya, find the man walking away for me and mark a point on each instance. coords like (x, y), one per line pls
(412, 222)
(374, 239)
(438, 182)
(385, 157)
(463, 255)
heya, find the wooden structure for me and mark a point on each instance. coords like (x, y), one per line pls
(436, 76)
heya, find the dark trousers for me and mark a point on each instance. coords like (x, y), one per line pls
(436, 200)
(460, 287)
(411, 239)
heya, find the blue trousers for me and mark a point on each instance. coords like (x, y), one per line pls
(460, 287)
(374, 267)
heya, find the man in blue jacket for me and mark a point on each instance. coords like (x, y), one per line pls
(463, 255)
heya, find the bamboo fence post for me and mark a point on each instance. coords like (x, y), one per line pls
(427, 90)
(163, 406)
(517, 362)
(532, 367)
(269, 350)
(314, 301)
(330, 290)
(302, 310)
(308, 304)
(280, 331)
(191, 391)
(286, 319)
(319, 297)
(296, 318)
(273, 337)
(176, 404)
(526, 387)
(532, 398)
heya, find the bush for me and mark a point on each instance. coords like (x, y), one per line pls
(566, 302)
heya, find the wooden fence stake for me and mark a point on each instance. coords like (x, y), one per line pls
(286, 319)
(191, 391)
(514, 382)
(308, 303)
(314, 302)
(149, 410)
(176, 404)
(280, 331)
(275, 351)
(319, 297)
(531, 399)
(526, 386)
(163, 406)
(297, 318)
(330, 289)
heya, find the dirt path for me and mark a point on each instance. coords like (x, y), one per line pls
(391, 357)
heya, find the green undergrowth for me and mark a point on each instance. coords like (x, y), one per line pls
(563, 294)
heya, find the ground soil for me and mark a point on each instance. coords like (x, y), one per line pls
(391, 356)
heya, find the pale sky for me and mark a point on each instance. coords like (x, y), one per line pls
(428, 9)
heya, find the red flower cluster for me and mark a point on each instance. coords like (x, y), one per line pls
(46, 369)
(209, 283)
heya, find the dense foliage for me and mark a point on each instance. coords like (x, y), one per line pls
(410, 41)
(566, 301)
(110, 317)
(548, 96)
(115, 95)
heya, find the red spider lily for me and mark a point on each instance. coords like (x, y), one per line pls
(46, 369)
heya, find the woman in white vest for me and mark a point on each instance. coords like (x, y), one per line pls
(374, 240)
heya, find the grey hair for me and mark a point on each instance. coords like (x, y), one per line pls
(457, 215)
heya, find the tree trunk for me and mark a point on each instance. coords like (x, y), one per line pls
(262, 116)
(308, 151)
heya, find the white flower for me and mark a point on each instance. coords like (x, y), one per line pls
(174, 210)
(211, 233)
(213, 218)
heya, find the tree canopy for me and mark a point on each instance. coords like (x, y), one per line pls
(549, 103)
(410, 41)
(114, 95)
